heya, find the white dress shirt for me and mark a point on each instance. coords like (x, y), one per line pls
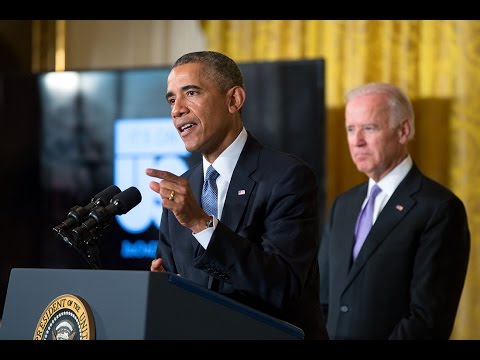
(388, 185)
(224, 165)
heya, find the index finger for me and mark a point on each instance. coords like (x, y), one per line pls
(161, 174)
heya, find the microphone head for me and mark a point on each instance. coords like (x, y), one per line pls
(104, 196)
(126, 200)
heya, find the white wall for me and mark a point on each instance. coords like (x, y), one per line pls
(100, 44)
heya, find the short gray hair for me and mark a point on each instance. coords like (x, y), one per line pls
(399, 104)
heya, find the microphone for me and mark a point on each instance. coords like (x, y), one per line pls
(78, 213)
(100, 217)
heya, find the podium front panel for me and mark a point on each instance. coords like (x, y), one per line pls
(136, 305)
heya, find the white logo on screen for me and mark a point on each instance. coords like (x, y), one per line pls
(141, 144)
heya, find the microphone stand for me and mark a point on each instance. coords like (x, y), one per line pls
(87, 246)
(90, 251)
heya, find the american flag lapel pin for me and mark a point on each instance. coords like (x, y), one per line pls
(399, 207)
(241, 192)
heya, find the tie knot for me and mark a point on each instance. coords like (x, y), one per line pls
(375, 191)
(212, 174)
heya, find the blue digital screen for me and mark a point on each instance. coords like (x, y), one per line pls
(140, 144)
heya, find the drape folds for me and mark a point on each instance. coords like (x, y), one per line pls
(437, 62)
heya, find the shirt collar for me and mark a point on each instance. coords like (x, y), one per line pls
(391, 181)
(226, 162)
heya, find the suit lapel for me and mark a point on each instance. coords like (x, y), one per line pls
(395, 210)
(241, 184)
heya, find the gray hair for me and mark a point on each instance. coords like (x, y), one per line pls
(399, 105)
(223, 70)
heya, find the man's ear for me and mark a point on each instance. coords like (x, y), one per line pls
(236, 98)
(404, 131)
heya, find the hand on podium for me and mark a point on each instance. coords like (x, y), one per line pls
(157, 265)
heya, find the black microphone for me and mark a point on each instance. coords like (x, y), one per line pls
(100, 217)
(78, 213)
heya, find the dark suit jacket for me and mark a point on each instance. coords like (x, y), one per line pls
(264, 249)
(407, 279)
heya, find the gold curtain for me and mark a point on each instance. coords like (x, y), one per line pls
(436, 61)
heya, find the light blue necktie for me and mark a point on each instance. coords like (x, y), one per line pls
(210, 192)
(365, 221)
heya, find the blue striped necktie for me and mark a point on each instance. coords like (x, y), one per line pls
(210, 192)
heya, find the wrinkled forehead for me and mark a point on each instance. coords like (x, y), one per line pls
(368, 104)
(373, 100)
(364, 111)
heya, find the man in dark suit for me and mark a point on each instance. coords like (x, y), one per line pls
(260, 245)
(405, 280)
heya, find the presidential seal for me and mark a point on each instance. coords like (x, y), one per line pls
(67, 317)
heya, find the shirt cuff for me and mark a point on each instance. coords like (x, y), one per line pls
(204, 236)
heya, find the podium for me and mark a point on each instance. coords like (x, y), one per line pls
(137, 305)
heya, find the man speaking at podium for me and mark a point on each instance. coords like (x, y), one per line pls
(245, 221)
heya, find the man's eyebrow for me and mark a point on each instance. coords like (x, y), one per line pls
(184, 88)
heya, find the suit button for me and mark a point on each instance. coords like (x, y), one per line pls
(344, 308)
